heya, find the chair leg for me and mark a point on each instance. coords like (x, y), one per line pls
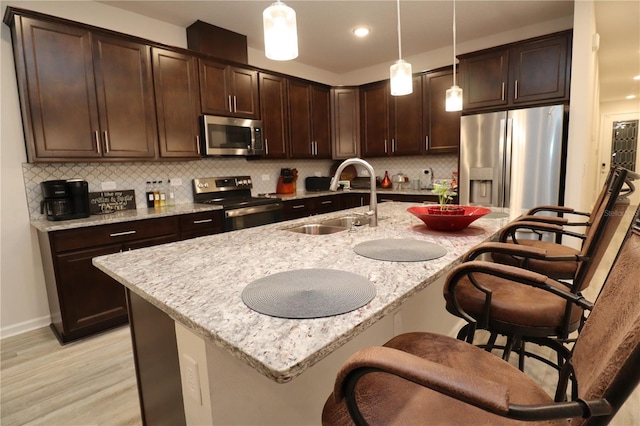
(462, 334)
(491, 342)
(521, 354)
(508, 347)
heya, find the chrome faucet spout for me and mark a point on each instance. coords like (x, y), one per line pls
(373, 198)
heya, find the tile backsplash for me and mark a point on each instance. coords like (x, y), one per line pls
(264, 173)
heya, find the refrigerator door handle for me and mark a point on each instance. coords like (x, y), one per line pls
(507, 164)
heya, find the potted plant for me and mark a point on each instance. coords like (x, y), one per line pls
(445, 196)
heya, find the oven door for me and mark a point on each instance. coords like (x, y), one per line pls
(247, 217)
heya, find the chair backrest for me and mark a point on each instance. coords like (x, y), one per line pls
(606, 355)
(604, 223)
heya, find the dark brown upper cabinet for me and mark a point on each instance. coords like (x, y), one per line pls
(274, 112)
(526, 73)
(84, 95)
(391, 125)
(442, 128)
(345, 131)
(309, 120)
(177, 95)
(228, 90)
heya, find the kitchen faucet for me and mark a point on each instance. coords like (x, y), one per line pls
(373, 199)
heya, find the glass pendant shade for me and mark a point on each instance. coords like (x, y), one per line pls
(453, 100)
(280, 32)
(401, 78)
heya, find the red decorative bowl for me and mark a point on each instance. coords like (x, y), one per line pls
(445, 221)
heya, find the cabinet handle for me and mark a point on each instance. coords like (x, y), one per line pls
(120, 234)
(96, 134)
(106, 142)
(235, 104)
(503, 90)
(299, 206)
(198, 143)
(393, 145)
(516, 94)
(266, 146)
(327, 202)
(426, 142)
(229, 101)
(196, 222)
(385, 146)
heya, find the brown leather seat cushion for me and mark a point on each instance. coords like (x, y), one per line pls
(563, 270)
(385, 399)
(512, 302)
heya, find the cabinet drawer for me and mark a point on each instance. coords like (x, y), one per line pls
(327, 204)
(295, 209)
(115, 233)
(199, 224)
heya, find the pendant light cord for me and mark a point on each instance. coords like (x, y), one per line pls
(454, 42)
(399, 37)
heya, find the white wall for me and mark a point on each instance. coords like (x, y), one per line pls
(23, 304)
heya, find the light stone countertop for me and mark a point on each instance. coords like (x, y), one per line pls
(199, 282)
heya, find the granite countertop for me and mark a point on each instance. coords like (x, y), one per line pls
(121, 216)
(198, 283)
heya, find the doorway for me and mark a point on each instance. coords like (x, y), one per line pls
(619, 143)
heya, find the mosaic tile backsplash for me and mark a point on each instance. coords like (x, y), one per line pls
(264, 174)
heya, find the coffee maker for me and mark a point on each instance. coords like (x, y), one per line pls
(65, 199)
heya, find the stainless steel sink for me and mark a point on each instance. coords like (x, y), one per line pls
(347, 221)
(317, 229)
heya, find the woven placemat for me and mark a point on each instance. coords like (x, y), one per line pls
(308, 293)
(400, 250)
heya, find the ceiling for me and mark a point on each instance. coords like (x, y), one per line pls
(326, 42)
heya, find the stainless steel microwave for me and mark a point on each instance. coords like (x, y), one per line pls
(231, 136)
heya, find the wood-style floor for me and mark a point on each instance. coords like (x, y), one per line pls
(92, 382)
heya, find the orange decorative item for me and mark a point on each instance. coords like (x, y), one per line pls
(386, 182)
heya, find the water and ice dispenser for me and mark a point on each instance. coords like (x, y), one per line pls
(481, 186)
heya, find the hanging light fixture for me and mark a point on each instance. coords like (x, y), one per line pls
(401, 79)
(454, 93)
(280, 32)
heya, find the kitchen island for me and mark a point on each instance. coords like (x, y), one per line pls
(241, 367)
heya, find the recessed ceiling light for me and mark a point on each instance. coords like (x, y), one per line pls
(631, 97)
(637, 77)
(361, 31)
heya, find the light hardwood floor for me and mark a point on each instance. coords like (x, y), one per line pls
(92, 381)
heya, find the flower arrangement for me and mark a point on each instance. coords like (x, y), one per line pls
(445, 194)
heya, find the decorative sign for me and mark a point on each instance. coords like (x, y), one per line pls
(111, 201)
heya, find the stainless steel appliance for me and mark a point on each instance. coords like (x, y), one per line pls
(233, 194)
(513, 158)
(231, 136)
(65, 199)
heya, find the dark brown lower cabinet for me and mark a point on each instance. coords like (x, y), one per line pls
(82, 299)
(155, 353)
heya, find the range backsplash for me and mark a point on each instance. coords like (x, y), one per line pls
(264, 173)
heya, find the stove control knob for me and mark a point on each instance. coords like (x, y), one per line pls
(248, 181)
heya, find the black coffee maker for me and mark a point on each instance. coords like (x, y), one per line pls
(65, 199)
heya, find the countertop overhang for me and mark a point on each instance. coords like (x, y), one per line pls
(198, 283)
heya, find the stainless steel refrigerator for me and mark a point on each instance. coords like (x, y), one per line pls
(512, 158)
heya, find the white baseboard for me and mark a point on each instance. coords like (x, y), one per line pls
(25, 326)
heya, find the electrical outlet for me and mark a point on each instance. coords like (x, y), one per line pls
(108, 186)
(192, 379)
(317, 174)
(426, 171)
(176, 181)
(265, 178)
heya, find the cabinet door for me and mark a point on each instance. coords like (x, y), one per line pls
(300, 119)
(175, 78)
(124, 88)
(214, 93)
(374, 119)
(327, 204)
(89, 299)
(55, 78)
(406, 121)
(345, 111)
(199, 224)
(321, 121)
(294, 209)
(484, 79)
(539, 70)
(244, 92)
(441, 127)
(273, 105)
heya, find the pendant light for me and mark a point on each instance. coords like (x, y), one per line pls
(280, 32)
(453, 100)
(401, 79)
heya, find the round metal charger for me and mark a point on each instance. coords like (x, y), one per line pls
(400, 250)
(308, 293)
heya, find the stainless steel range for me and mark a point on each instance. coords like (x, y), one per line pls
(233, 194)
